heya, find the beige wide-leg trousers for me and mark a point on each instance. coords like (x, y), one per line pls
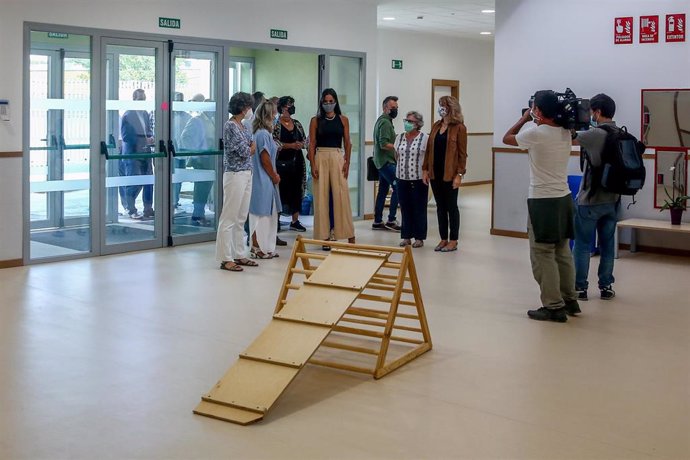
(330, 164)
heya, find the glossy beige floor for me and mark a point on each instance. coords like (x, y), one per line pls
(106, 358)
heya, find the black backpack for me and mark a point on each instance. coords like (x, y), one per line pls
(622, 170)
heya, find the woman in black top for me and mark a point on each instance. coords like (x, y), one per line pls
(289, 135)
(329, 155)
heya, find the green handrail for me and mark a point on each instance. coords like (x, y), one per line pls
(64, 147)
(197, 153)
(133, 156)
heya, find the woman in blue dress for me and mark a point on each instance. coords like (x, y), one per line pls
(265, 203)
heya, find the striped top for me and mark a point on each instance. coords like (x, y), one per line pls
(410, 156)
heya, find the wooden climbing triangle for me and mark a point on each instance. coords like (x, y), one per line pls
(356, 308)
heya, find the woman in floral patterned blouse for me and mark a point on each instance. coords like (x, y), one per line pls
(231, 250)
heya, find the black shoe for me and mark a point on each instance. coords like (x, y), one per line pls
(582, 294)
(280, 242)
(572, 308)
(549, 314)
(378, 226)
(393, 226)
(149, 213)
(607, 293)
(201, 221)
(297, 226)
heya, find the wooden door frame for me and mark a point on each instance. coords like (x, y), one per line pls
(454, 91)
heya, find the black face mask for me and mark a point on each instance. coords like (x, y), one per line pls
(291, 110)
(393, 113)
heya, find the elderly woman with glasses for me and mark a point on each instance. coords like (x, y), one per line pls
(410, 150)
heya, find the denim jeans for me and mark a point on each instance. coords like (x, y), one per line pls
(386, 180)
(601, 217)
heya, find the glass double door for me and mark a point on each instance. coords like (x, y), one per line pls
(159, 149)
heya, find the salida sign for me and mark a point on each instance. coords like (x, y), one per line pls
(649, 29)
(623, 31)
(675, 27)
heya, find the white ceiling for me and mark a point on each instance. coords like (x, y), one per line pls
(458, 18)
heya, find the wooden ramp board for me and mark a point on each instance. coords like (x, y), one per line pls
(317, 304)
(348, 269)
(227, 414)
(286, 342)
(251, 385)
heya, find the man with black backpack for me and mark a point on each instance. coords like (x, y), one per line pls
(596, 206)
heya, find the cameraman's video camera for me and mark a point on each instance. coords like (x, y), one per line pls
(573, 112)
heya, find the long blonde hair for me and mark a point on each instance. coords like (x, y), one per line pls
(454, 109)
(263, 118)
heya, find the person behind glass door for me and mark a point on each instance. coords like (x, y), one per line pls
(265, 201)
(289, 134)
(200, 135)
(231, 250)
(136, 131)
(179, 121)
(384, 160)
(413, 193)
(444, 166)
(329, 132)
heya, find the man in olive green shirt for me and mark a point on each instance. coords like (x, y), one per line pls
(384, 160)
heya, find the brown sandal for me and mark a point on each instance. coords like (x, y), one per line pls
(246, 262)
(231, 268)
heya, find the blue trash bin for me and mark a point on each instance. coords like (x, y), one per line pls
(574, 185)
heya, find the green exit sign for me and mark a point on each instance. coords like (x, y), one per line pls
(396, 64)
(57, 35)
(280, 34)
(169, 23)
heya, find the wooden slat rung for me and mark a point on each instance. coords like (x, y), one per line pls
(356, 331)
(343, 346)
(270, 361)
(301, 271)
(344, 367)
(406, 340)
(363, 321)
(384, 314)
(333, 285)
(310, 255)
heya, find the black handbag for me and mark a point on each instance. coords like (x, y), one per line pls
(287, 167)
(372, 170)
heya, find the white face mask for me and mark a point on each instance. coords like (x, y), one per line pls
(442, 111)
(249, 114)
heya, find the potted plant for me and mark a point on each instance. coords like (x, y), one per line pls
(676, 204)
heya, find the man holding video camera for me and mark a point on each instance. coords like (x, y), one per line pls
(550, 206)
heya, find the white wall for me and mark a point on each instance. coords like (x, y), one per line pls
(328, 24)
(554, 44)
(426, 57)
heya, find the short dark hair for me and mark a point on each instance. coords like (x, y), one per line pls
(547, 101)
(604, 103)
(388, 99)
(283, 101)
(239, 102)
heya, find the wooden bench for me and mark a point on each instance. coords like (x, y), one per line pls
(649, 224)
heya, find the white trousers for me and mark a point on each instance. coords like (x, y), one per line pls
(230, 241)
(266, 228)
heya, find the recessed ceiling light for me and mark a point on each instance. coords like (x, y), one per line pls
(388, 18)
(484, 33)
(488, 11)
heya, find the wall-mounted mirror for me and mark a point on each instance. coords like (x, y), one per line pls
(671, 173)
(666, 117)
